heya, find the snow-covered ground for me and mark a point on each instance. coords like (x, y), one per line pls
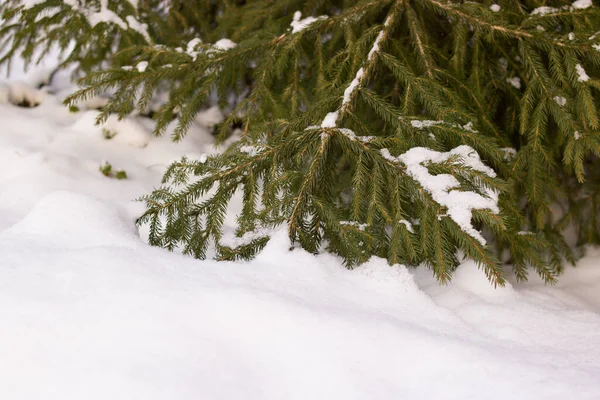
(89, 311)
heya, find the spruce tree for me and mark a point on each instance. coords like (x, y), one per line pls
(420, 131)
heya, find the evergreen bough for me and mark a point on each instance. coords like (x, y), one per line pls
(420, 131)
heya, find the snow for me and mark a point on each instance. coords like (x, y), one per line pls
(128, 131)
(561, 101)
(581, 4)
(89, 311)
(105, 15)
(210, 117)
(495, 7)
(576, 5)
(421, 124)
(582, 76)
(21, 93)
(352, 87)
(408, 225)
(224, 44)
(252, 151)
(298, 25)
(4, 94)
(509, 153)
(544, 10)
(443, 187)
(139, 27)
(571, 36)
(141, 66)
(355, 224)
(233, 241)
(375, 47)
(515, 81)
(330, 120)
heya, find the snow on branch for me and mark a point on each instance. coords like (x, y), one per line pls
(298, 25)
(443, 188)
(218, 46)
(232, 241)
(577, 5)
(330, 120)
(102, 15)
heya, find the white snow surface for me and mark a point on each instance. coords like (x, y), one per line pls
(89, 311)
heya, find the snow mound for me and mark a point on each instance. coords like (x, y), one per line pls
(4, 98)
(378, 270)
(127, 131)
(76, 220)
(471, 278)
(20, 94)
(209, 117)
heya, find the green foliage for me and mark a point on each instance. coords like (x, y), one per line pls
(107, 170)
(332, 115)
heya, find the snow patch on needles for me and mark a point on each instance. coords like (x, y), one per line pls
(509, 153)
(515, 81)
(298, 25)
(421, 124)
(495, 7)
(219, 45)
(141, 66)
(577, 5)
(408, 225)
(103, 15)
(582, 76)
(561, 101)
(224, 44)
(330, 120)
(352, 87)
(375, 47)
(443, 187)
(232, 241)
(252, 151)
(545, 10)
(191, 46)
(357, 225)
(137, 26)
(581, 4)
